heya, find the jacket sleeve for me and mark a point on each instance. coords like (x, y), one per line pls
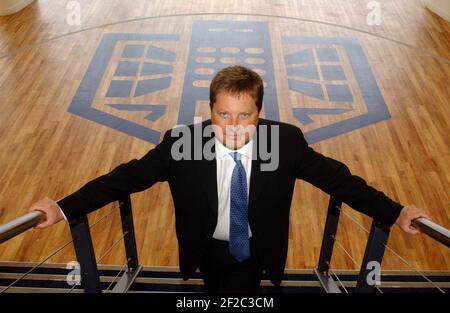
(334, 178)
(133, 176)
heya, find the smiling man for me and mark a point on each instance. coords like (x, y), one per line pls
(232, 216)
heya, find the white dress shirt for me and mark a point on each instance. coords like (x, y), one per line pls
(225, 166)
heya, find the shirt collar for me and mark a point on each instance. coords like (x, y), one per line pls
(222, 151)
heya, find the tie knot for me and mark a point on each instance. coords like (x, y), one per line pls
(236, 156)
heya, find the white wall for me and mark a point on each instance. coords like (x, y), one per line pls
(440, 7)
(8, 7)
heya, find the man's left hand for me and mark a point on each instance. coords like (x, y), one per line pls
(407, 215)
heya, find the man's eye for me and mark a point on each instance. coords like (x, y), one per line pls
(245, 115)
(223, 114)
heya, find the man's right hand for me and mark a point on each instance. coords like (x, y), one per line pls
(51, 210)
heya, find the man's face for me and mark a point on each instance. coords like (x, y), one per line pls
(234, 118)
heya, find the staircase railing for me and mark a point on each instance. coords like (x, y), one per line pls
(374, 251)
(90, 279)
(19, 225)
(435, 231)
(84, 250)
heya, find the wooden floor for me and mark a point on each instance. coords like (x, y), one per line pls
(50, 152)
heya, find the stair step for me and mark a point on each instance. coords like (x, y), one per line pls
(52, 278)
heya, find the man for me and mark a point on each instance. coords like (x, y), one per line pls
(232, 210)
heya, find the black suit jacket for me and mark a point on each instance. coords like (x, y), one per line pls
(193, 185)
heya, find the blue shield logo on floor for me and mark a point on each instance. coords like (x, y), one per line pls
(336, 85)
(123, 83)
(327, 85)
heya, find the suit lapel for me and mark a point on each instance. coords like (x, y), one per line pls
(256, 179)
(208, 177)
(210, 185)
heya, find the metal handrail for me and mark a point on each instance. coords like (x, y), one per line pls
(19, 225)
(435, 231)
(84, 250)
(31, 219)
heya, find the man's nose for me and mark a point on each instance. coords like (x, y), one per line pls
(234, 121)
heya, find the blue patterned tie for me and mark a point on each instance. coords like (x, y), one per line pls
(239, 242)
